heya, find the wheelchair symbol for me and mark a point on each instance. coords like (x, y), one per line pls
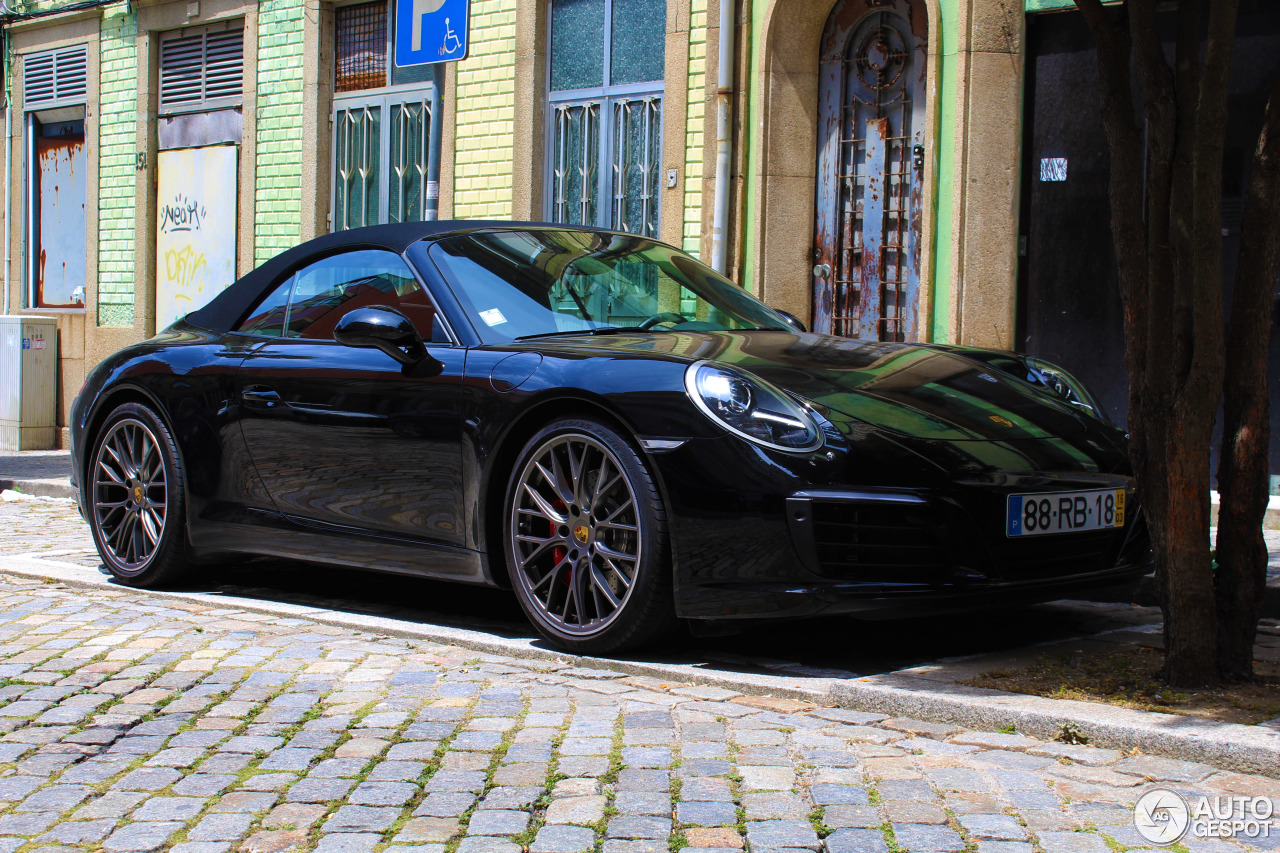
(451, 41)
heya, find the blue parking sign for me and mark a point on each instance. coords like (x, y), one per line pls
(431, 31)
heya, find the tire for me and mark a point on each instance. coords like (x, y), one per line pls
(589, 563)
(136, 499)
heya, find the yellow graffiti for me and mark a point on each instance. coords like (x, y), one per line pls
(186, 268)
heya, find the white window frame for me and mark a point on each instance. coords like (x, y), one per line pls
(609, 97)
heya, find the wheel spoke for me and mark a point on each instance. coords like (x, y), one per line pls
(547, 510)
(137, 448)
(616, 511)
(539, 546)
(125, 452)
(137, 541)
(601, 585)
(151, 526)
(618, 573)
(569, 595)
(606, 551)
(115, 537)
(563, 484)
(575, 470)
(123, 534)
(603, 488)
(116, 478)
(145, 452)
(557, 569)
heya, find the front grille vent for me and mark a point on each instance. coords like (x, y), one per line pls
(1032, 558)
(870, 543)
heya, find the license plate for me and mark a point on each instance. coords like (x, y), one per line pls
(1065, 512)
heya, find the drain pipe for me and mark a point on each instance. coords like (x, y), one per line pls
(8, 163)
(431, 192)
(724, 131)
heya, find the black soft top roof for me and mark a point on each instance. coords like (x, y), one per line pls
(226, 309)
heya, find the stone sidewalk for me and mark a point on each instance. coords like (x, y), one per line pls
(136, 724)
(45, 473)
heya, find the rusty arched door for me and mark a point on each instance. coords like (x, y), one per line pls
(866, 277)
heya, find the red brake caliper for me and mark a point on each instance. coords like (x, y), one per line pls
(559, 551)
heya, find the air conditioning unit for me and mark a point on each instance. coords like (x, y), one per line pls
(28, 383)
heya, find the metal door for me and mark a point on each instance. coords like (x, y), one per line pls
(866, 277)
(56, 252)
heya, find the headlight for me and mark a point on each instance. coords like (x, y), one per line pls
(751, 408)
(1066, 386)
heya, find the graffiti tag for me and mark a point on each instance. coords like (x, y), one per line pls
(187, 268)
(182, 215)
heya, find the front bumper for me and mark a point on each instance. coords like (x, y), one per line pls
(753, 540)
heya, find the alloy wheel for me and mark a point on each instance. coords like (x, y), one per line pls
(130, 494)
(576, 540)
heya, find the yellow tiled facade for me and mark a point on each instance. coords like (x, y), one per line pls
(486, 114)
(694, 133)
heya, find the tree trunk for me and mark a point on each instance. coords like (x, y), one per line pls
(1240, 583)
(1169, 269)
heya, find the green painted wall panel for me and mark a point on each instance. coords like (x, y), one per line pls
(944, 156)
(117, 168)
(278, 164)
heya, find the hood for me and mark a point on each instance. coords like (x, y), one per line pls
(923, 391)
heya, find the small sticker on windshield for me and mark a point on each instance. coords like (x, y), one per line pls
(493, 317)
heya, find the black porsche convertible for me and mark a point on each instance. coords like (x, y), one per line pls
(601, 423)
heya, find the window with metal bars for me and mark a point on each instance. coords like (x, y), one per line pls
(382, 114)
(202, 69)
(364, 34)
(604, 113)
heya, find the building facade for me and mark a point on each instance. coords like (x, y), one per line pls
(855, 162)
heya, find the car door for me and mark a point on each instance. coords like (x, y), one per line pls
(350, 436)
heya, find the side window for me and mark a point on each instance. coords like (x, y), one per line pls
(269, 316)
(316, 297)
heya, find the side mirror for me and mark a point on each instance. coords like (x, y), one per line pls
(792, 320)
(383, 328)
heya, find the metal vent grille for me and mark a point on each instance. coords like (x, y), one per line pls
(362, 47)
(55, 76)
(201, 67)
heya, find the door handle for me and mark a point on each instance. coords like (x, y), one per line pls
(822, 271)
(260, 396)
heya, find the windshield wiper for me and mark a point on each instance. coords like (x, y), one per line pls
(603, 329)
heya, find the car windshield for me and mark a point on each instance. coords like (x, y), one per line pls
(520, 284)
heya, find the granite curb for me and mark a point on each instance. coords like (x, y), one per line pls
(60, 488)
(1250, 749)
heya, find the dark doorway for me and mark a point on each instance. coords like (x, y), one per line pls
(1069, 306)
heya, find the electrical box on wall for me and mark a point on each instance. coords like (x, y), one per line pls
(28, 383)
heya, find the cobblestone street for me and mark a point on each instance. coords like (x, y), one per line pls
(137, 723)
(134, 725)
